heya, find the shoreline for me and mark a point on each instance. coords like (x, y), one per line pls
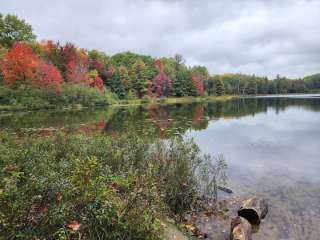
(123, 103)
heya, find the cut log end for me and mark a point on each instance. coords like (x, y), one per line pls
(240, 229)
(254, 210)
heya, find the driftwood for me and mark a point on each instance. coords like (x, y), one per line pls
(240, 229)
(224, 189)
(254, 210)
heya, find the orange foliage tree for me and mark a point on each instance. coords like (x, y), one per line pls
(198, 83)
(19, 65)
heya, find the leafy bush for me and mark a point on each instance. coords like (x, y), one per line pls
(94, 187)
(32, 98)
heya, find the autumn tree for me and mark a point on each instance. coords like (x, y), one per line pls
(47, 76)
(199, 75)
(19, 65)
(161, 84)
(197, 83)
(51, 52)
(77, 66)
(100, 62)
(13, 29)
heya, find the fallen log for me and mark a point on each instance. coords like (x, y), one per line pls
(224, 189)
(240, 229)
(254, 210)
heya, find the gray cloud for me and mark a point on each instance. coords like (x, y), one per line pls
(264, 37)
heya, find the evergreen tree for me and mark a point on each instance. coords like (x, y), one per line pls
(252, 87)
(139, 78)
(115, 84)
(178, 81)
(219, 87)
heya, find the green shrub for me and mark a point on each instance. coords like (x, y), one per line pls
(31, 98)
(94, 187)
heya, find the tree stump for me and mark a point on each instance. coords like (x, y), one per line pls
(254, 210)
(240, 229)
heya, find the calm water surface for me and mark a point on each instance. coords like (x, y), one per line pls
(271, 146)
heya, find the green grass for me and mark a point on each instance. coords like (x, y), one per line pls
(174, 100)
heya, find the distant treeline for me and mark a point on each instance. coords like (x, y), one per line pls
(51, 66)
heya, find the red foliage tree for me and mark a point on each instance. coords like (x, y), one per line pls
(19, 65)
(68, 54)
(47, 76)
(77, 73)
(198, 83)
(96, 64)
(111, 70)
(98, 83)
(75, 64)
(162, 83)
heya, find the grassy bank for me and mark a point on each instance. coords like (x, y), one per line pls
(173, 100)
(26, 97)
(75, 96)
(97, 187)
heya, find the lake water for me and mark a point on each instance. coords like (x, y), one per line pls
(271, 146)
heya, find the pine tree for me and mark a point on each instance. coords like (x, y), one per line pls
(219, 87)
(252, 87)
(116, 84)
(178, 85)
(139, 78)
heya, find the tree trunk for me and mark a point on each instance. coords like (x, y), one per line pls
(254, 210)
(240, 229)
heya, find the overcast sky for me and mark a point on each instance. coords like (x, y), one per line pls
(264, 37)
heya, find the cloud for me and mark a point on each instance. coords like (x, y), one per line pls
(264, 37)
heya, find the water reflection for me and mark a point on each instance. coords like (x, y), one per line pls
(162, 121)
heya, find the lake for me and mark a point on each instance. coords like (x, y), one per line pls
(271, 146)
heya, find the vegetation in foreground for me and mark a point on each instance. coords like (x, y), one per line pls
(97, 187)
(65, 75)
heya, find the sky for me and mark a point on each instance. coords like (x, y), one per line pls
(262, 37)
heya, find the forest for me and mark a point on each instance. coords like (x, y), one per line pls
(54, 73)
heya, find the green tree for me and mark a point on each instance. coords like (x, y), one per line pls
(252, 86)
(139, 78)
(116, 85)
(125, 79)
(13, 29)
(179, 86)
(219, 87)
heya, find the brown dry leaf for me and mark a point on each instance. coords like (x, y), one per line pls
(189, 227)
(12, 168)
(74, 225)
(59, 196)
